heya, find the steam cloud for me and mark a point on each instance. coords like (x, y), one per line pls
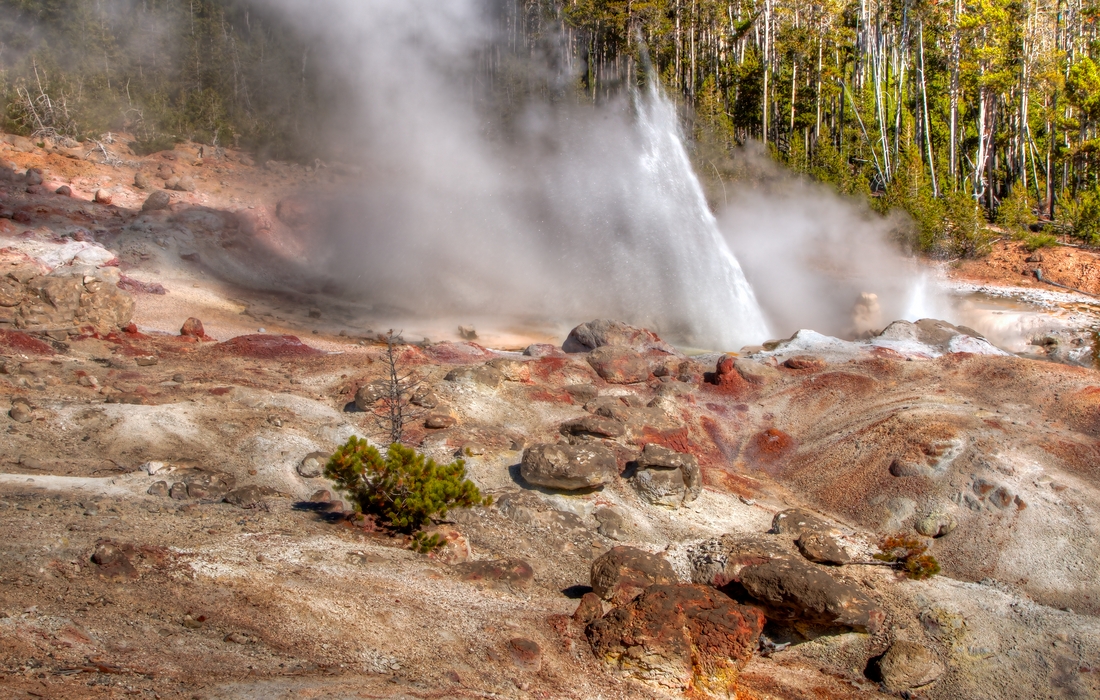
(812, 255)
(576, 212)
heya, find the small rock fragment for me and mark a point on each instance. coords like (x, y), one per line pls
(312, 465)
(159, 489)
(21, 411)
(250, 496)
(439, 421)
(103, 197)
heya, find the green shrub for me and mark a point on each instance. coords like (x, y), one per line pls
(964, 225)
(1035, 241)
(908, 554)
(405, 489)
(1085, 217)
(1015, 212)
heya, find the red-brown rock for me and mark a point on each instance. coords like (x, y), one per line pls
(589, 610)
(805, 362)
(192, 328)
(679, 637)
(525, 653)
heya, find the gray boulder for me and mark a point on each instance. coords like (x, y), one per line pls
(661, 487)
(602, 332)
(157, 201)
(621, 574)
(568, 467)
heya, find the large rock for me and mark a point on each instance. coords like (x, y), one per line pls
(602, 332)
(661, 487)
(621, 574)
(789, 587)
(157, 201)
(679, 638)
(908, 665)
(568, 467)
(666, 477)
(618, 365)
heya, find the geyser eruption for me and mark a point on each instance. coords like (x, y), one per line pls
(570, 212)
(819, 260)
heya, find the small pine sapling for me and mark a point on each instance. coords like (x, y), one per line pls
(405, 489)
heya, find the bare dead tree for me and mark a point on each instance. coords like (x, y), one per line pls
(41, 114)
(396, 408)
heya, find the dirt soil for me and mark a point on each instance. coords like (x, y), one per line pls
(1010, 263)
(110, 588)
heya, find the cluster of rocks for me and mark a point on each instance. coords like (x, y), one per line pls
(696, 636)
(208, 486)
(64, 299)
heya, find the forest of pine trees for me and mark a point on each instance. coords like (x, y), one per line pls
(960, 112)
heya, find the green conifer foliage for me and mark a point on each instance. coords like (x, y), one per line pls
(405, 489)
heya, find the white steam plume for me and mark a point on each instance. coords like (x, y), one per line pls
(577, 212)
